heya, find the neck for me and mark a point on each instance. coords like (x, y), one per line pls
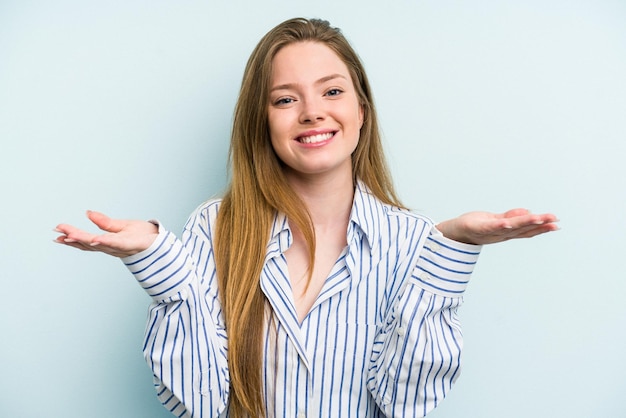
(328, 199)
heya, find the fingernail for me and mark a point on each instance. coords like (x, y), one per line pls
(93, 244)
(69, 240)
(538, 222)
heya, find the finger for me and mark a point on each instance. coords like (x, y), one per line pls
(72, 233)
(529, 231)
(79, 238)
(104, 222)
(111, 242)
(533, 232)
(93, 245)
(101, 249)
(69, 242)
(515, 212)
(549, 217)
(64, 229)
(530, 220)
(520, 227)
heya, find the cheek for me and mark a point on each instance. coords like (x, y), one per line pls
(278, 143)
(277, 123)
(274, 129)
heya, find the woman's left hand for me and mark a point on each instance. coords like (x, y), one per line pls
(488, 228)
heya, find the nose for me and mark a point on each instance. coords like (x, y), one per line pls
(312, 111)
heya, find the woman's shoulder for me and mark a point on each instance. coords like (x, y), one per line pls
(205, 213)
(408, 215)
(209, 205)
(374, 210)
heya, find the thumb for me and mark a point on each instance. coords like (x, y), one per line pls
(104, 222)
(515, 212)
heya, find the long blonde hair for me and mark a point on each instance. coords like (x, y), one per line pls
(259, 189)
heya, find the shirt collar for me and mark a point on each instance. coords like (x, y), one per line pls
(280, 234)
(367, 213)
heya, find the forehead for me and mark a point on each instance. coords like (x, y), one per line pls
(306, 61)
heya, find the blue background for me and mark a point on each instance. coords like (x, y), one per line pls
(125, 107)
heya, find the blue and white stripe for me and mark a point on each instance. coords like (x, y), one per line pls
(381, 340)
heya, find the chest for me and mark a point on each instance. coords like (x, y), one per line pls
(323, 359)
(307, 282)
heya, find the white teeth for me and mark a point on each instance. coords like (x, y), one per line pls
(316, 138)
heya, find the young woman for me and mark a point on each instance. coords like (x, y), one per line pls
(307, 290)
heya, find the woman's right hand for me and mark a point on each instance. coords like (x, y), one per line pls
(123, 238)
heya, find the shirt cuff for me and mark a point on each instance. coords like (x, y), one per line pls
(162, 270)
(445, 266)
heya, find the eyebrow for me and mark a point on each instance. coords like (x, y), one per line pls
(320, 81)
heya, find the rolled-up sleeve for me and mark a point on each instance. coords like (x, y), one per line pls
(417, 351)
(164, 270)
(185, 341)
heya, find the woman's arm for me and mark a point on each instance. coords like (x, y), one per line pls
(185, 343)
(417, 352)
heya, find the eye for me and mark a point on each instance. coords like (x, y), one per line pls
(283, 101)
(334, 92)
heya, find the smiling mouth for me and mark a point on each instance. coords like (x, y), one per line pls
(316, 138)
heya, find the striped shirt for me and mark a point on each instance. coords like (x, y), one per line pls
(381, 340)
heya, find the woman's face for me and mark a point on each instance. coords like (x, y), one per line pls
(314, 112)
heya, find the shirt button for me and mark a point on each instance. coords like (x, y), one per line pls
(425, 277)
(434, 247)
(400, 331)
(301, 415)
(171, 240)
